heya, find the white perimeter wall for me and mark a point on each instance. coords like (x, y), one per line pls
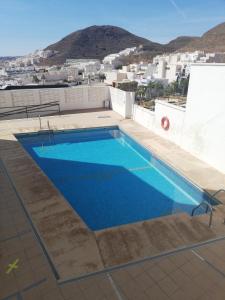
(152, 120)
(143, 116)
(81, 97)
(175, 114)
(200, 128)
(122, 102)
(204, 126)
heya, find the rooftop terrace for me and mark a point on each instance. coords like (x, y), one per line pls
(54, 256)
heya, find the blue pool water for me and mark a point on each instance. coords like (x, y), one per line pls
(108, 178)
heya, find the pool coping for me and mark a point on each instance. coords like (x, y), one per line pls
(11, 155)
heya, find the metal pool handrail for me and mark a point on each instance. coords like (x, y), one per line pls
(48, 131)
(208, 207)
(51, 131)
(217, 192)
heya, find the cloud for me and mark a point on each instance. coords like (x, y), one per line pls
(178, 9)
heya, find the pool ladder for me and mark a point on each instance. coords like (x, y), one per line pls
(50, 131)
(208, 206)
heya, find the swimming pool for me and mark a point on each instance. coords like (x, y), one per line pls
(108, 178)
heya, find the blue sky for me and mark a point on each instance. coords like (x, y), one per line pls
(26, 25)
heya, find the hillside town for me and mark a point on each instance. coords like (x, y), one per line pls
(165, 69)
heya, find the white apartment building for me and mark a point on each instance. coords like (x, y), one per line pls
(56, 76)
(3, 72)
(114, 76)
(106, 67)
(127, 51)
(115, 58)
(112, 59)
(151, 69)
(91, 69)
(86, 65)
(31, 59)
(73, 73)
(165, 68)
(169, 67)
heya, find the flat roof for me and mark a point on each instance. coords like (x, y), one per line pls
(29, 232)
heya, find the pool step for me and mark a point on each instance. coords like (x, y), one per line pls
(137, 241)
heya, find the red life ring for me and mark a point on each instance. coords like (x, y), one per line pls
(165, 123)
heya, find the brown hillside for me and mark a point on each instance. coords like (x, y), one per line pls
(96, 42)
(212, 41)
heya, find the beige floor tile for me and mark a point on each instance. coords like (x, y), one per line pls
(156, 273)
(168, 286)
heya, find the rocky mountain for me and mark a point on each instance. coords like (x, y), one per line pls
(181, 42)
(97, 42)
(212, 41)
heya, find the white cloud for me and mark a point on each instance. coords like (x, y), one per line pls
(178, 9)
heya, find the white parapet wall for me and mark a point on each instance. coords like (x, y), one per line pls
(152, 120)
(175, 114)
(81, 97)
(144, 116)
(204, 125)
(200, 128)
(122, 102)
(85, 97)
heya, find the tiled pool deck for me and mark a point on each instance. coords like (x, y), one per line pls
(197, 273)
